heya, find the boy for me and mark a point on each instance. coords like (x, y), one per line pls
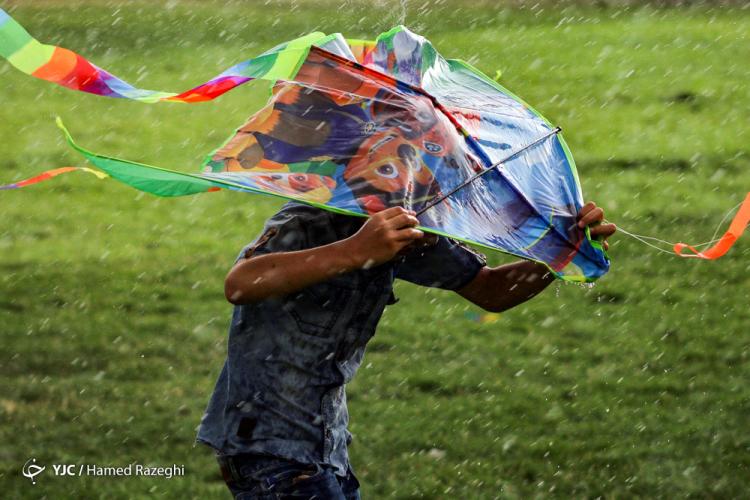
(308, 294)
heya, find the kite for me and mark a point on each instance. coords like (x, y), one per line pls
(356, 127)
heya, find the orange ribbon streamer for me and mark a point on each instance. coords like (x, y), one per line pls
(50, 174)
(736, 228)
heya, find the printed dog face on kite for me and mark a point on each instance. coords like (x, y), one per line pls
(388, 171)
(308, 186)
(379, 148)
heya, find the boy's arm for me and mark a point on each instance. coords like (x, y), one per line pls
(277, 274)
(498, 289)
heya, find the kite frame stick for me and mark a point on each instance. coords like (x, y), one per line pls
(474, 177)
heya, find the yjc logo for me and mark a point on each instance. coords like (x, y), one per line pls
(31, 470)
(64, 470)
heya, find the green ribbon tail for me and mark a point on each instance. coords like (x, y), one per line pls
(155, 180)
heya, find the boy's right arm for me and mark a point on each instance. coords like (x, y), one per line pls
(379, 240)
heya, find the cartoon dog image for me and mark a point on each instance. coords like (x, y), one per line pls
(388, 171)
(309, 187)
(300, 124)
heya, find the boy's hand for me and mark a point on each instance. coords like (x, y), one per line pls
(592, 216)
(382, 237)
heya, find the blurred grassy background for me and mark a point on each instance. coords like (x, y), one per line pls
(112, 317)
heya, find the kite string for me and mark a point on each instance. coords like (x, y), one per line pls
(645, 239)
(728, 214)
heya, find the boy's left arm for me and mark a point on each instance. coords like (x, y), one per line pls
(498, 289)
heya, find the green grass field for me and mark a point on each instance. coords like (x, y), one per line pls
(112, 317)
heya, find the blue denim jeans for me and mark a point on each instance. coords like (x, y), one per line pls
(261, 477)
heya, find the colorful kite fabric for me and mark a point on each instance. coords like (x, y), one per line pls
(68, 69)
(358, 126)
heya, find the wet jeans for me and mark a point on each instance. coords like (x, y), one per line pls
(260, 477)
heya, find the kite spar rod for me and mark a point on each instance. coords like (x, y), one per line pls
(471, 179)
